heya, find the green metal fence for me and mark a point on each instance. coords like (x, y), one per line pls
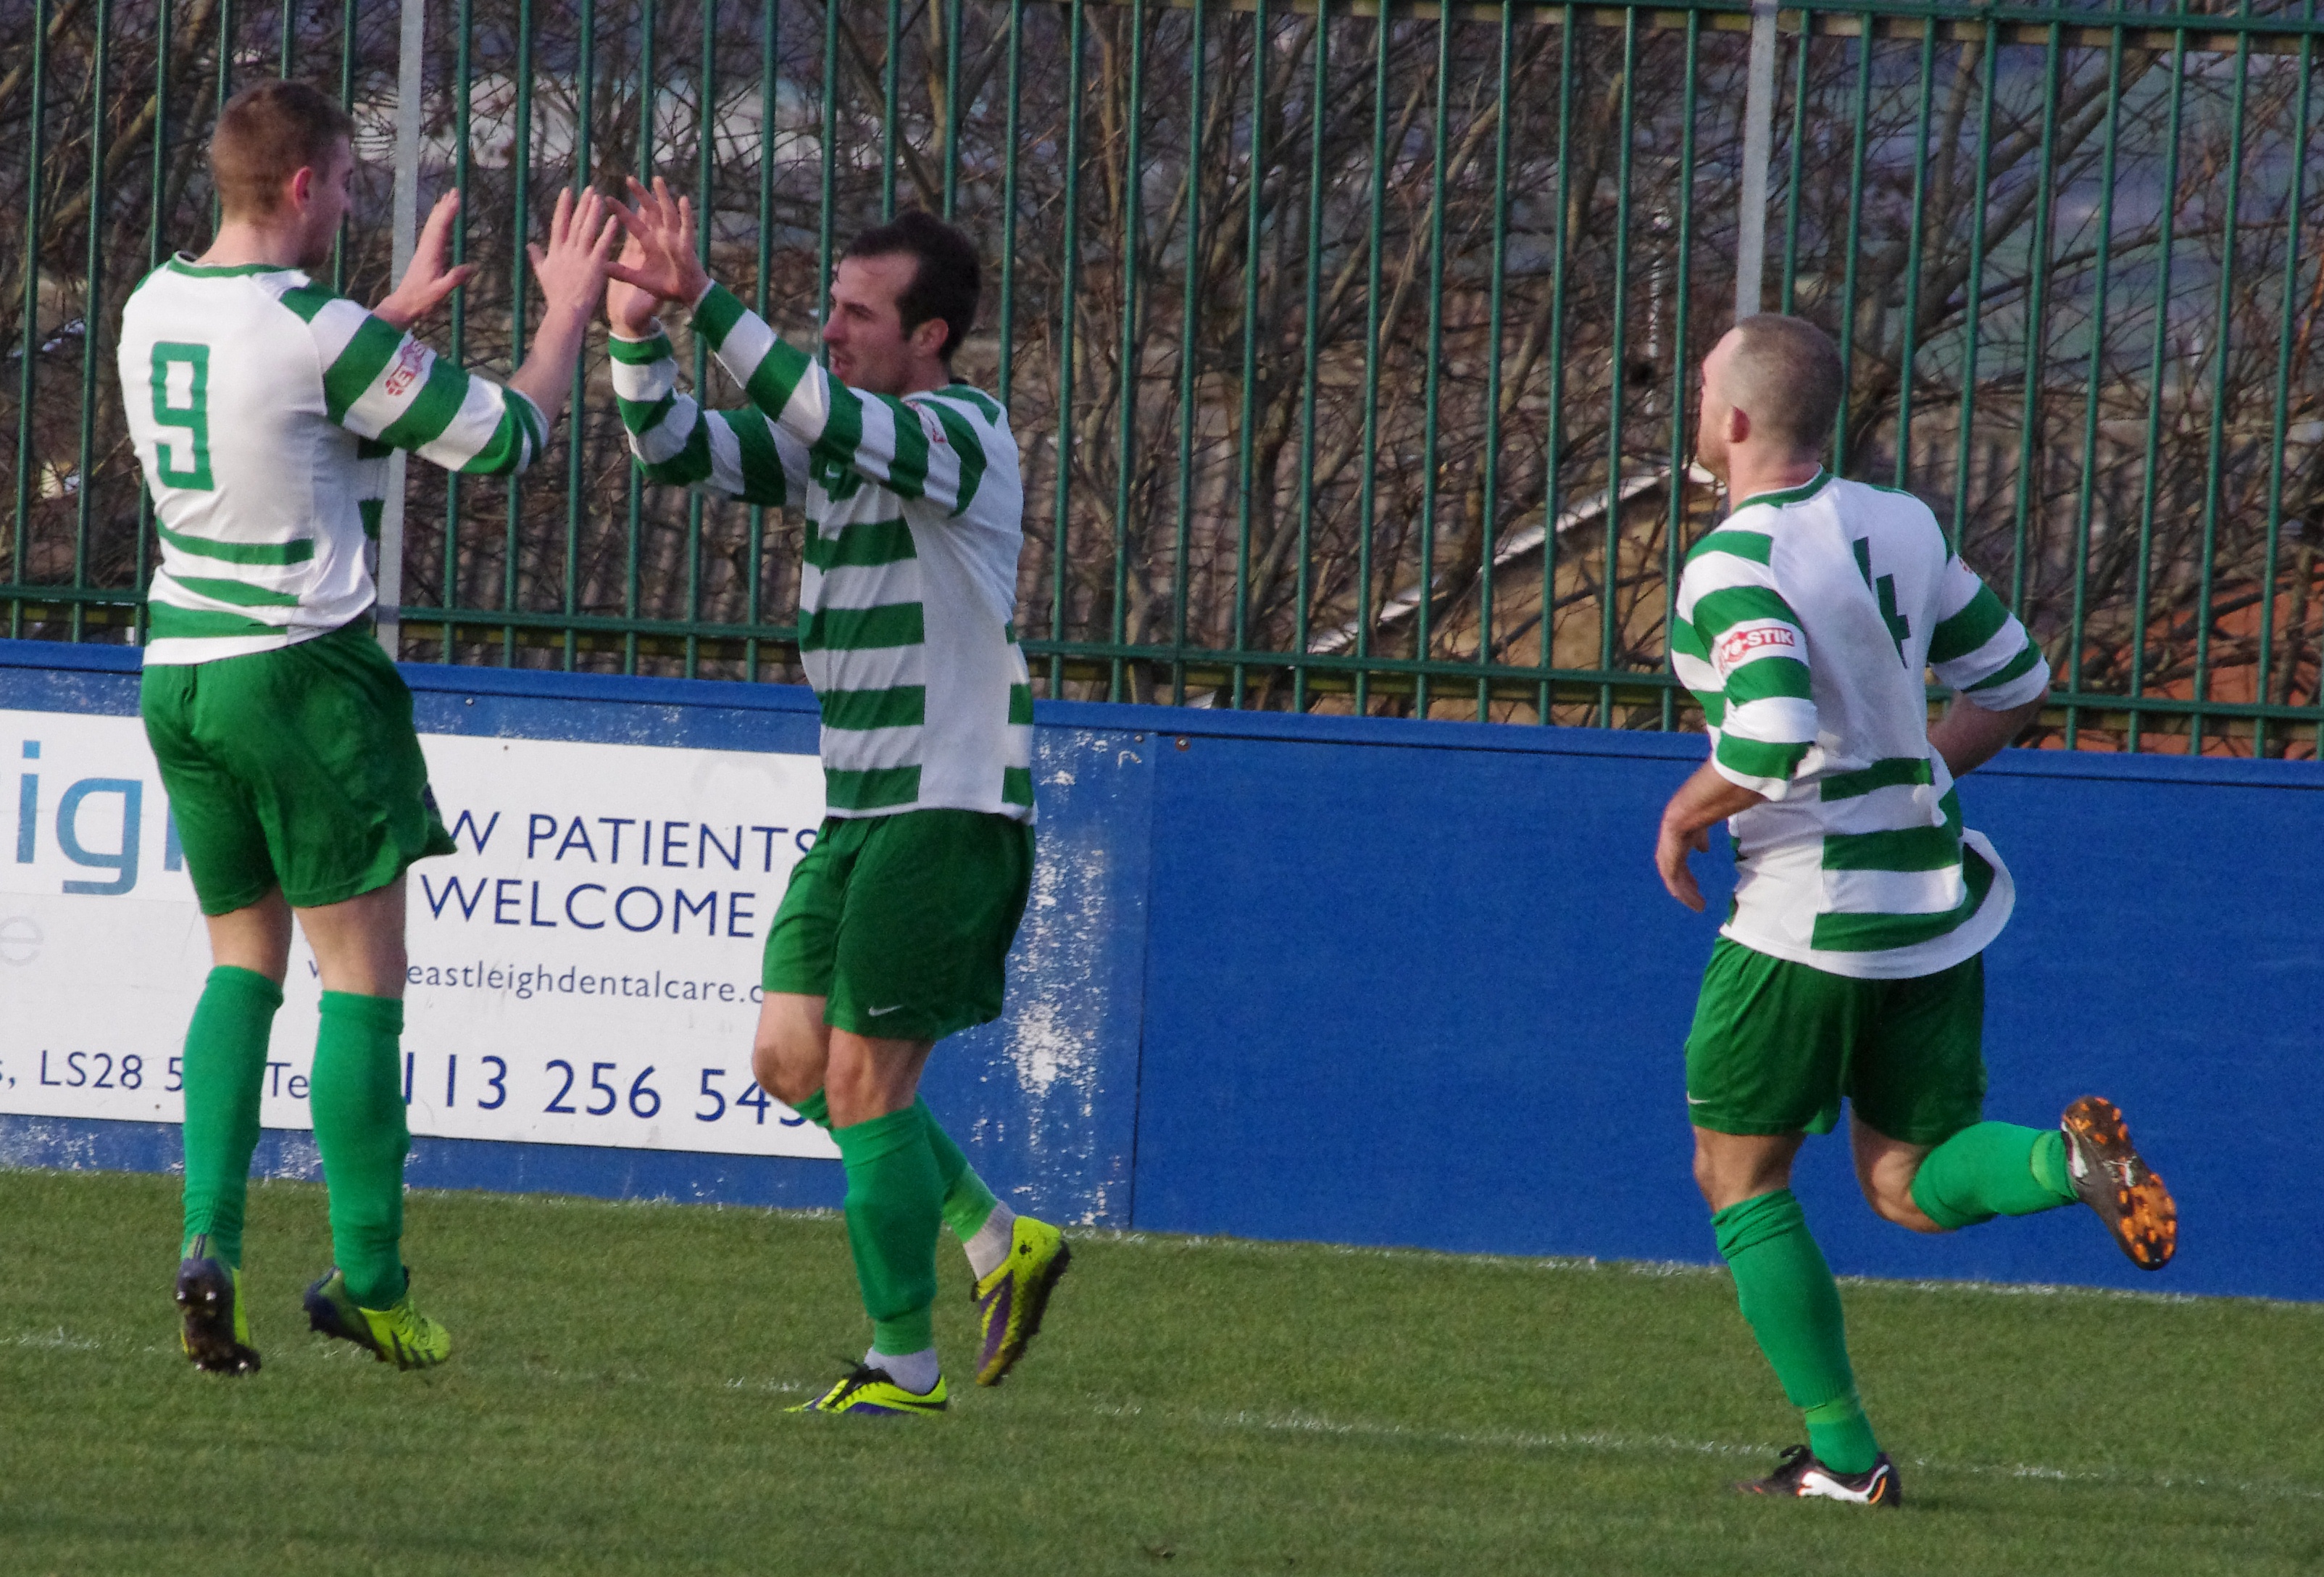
(1349, 353)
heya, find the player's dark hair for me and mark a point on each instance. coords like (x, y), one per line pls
(1787, 376)
(946, 278)
(265, 135)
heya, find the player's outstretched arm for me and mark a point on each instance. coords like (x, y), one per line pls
(927, 448)
(382, 384)
(572, 269)
(739, 454)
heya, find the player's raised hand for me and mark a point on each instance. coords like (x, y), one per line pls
(629, 309)
(661, 228)
(426, 283)
(571, 268)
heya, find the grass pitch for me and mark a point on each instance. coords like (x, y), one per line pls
(614, 1405)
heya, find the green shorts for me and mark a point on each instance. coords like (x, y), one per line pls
(1776, 1044)
(902, 923)
(297, 767)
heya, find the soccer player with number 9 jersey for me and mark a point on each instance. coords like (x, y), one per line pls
(264, 409)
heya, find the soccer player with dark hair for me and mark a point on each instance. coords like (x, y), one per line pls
(895, 929)
(1851, 964)
(262, 408)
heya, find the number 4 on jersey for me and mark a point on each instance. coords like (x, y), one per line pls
(1885, 588)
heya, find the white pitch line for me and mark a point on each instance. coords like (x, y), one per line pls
(58, 1339)
(1487, 1439)
(1668, 1444)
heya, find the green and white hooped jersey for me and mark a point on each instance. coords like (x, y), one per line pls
(264, 409)
(914, 518)
(1805, 624)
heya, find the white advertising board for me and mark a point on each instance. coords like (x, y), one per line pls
(584, 970)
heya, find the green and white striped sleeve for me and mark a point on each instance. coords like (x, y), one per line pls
(1736, 644)
(928, 447)
(384, 386)
(1980, 649)
(738, 453)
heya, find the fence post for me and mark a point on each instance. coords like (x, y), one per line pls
(1758, 148)
(410, 63)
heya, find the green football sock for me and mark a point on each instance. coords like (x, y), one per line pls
(894, 1207)
(356, 1093)
(1993, 1168)
(224, 1064)
(967, 1202)
(1793, 1304)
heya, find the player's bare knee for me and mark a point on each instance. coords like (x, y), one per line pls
(788, 1078)
(788, 1057)
(1908, 1215)
(1891, 1199)
(1706, 1177)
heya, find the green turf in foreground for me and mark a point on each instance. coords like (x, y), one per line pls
(614, 1405)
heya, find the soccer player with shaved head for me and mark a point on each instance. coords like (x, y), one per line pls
(895, 929)
(263, 408)
(1851, 964)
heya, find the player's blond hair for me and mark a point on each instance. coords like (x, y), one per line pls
(1784, 374)
(265, 135)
